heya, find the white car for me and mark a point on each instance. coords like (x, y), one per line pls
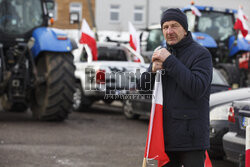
(106, 78)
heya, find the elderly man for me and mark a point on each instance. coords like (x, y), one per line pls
(186, 90)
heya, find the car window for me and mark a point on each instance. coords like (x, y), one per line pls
(218, 78)
(111, 54)
(84, 55)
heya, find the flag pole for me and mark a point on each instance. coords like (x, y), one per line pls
(144, 163)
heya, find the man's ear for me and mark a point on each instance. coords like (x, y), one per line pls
(185, 33)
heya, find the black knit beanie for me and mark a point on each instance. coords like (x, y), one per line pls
(176, 15)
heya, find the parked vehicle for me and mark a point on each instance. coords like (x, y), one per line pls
(219, 106)
(36, 64)
(234, 139)
(214, 30)
(104, 79)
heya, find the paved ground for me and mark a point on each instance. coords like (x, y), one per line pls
(100, 138)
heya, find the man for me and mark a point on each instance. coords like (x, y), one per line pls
(186, 90)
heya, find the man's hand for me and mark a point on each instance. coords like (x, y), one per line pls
(160, 55)
(157, 65)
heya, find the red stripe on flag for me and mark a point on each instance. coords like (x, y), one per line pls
(239, 26)
(91, 42)
(247, 163)
(131, 42)
(157, 147)
(207, 160)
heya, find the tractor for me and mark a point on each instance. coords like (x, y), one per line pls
(36, 63)
(214, 30)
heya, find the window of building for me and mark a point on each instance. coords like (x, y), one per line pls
(114, 13)
(138, 14)
(76, 7)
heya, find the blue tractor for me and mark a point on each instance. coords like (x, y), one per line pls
(214, 30)
(36, 64)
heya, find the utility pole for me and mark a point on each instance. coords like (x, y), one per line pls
(147, 13)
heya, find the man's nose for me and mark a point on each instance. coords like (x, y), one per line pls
(169, 30)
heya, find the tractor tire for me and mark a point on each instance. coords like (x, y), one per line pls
(81, 103)
(230, 72)
(53, 98)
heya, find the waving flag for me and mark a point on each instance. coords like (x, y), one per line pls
(134, 39)
(88, 37)
(195, 11)
(240, 23)
(155, 148)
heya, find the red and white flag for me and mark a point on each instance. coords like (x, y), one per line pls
(195, 11)
(155, 148)
(241, 23)
(247, 156)
(134, 39)
(88, 37)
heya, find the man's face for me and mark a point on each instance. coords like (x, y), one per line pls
(173, 32)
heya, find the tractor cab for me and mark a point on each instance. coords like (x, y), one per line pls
(213, 29)
(216, 23)
(18, 18)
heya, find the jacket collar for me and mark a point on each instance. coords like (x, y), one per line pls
(182, 44)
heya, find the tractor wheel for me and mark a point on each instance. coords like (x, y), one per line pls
(230, 72)
(12, 107)
(81, 103)
(53, 96)
(128, 110)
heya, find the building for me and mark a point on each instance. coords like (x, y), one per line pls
(66, 11)
(114, 15)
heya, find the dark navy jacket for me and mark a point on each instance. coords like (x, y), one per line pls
(186, 91)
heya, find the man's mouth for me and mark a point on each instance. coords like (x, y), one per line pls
(171, 38)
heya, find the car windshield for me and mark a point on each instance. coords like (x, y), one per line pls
(216, 24)
(218, 78)
(20, 16)
(111, 54)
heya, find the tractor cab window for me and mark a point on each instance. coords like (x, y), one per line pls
(20, 16)
(218, 25)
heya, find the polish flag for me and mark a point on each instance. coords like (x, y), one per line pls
(155, 148)
(247, 156)
(134, 39)
(88, 37)
(195, 11)
(240, 23)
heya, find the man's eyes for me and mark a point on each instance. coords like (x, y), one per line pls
(172, 26)
(175, 25)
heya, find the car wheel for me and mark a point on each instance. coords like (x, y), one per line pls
(128, 110)
(80, 102)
